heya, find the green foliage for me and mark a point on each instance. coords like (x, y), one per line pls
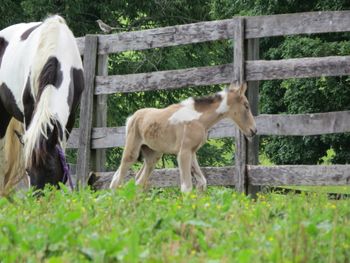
(306, 96)
(11, 13)
(276, 97)
(221, 9)
(129, 225)
(298, 96)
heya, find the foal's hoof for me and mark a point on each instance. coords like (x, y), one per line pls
(186, 189)
(202, 188)
(114, 185)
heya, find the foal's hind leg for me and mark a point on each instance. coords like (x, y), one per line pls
(150, 160)
(130, 155)
(139, 173)
(201, 180)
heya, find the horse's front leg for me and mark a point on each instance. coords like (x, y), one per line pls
(184, 158)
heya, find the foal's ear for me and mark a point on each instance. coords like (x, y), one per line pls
(238, 88)
(234, 87)
(243, 88)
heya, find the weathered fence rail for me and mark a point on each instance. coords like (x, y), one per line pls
(255, 27)
(281, 175)
(246, 66)
(255, 70)
(299, 175)
(267, 124)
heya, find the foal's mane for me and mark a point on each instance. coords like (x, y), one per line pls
(203, 103)
(208, 99)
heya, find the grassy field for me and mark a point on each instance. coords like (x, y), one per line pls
(166, 226)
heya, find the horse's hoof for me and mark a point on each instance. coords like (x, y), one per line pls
(202, 188)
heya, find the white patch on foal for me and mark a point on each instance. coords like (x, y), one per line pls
(185, 113)
(223, 107)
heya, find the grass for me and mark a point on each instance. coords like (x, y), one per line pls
(162, 225)
(322, 189)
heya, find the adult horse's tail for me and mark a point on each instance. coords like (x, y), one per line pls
(51, 110)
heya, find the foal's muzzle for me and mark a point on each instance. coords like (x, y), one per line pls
(253, 132)
(251, 135)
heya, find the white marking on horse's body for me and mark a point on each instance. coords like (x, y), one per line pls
(180, 129)
(186, 113)
(15, 73)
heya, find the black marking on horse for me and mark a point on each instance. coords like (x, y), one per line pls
(51, 74)
(76, 87)
(5, 118)
(3, 46)
(28, 103)
(26, 33)
(47, 144)
(46, 167)
(9, 102)
(59, 131)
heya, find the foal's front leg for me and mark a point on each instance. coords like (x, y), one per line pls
(184, 158)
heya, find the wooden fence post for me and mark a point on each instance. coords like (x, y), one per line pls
(98, 157)
(253, 98)
(86, 109)
(239, 76)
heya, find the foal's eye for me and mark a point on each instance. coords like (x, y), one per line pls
(246, 105)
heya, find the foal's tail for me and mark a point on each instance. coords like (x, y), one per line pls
(130, 124)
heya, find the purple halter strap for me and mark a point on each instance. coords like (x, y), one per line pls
(66, 170)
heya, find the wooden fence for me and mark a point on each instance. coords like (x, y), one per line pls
(93, 136)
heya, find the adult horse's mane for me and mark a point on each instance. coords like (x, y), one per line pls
(46, 74)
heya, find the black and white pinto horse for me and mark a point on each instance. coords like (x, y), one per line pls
(41, 81)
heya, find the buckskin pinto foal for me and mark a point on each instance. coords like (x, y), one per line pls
(181, 129)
